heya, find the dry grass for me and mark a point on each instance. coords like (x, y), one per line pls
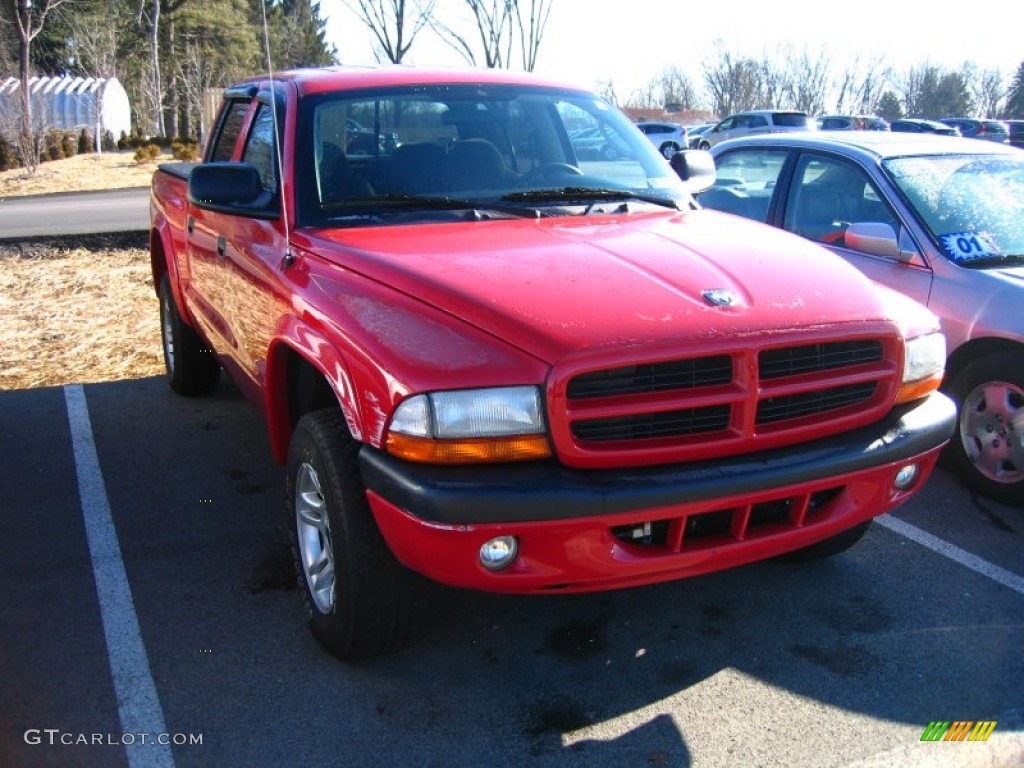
(76, 316)
(111, 170)
(73, 314)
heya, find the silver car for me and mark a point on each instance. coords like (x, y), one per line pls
(757, 121)
(940, 219)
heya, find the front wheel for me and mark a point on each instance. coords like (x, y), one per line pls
(359, 600)
(192, 368)
(704, 145)
(668, 149)
(987, 450)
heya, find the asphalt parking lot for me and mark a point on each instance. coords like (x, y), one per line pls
(150, 618)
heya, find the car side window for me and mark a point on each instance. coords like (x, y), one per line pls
(230, 128)
(259, 149)
(828, 195)
(758, 121)
(744, 182)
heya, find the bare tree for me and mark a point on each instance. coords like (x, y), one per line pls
(807, 81)
(989, 89)
(493, 22)
(732, 83)
(29, 17)
(860, 86)
(394, 24)
(531, 22)
(675, 88)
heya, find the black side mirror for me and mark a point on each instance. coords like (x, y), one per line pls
(696, 168)
(233, 188)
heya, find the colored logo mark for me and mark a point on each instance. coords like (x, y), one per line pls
(959, 730)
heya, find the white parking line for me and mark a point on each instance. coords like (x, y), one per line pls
(944, 548)
(137, 701)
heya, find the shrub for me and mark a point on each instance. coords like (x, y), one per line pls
(69, 144)
(85, 143)
(147, 154)
(8, 159)
(185, 151)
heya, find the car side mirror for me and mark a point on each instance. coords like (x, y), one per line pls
(696, 168)
(877, 239)
(233, 188)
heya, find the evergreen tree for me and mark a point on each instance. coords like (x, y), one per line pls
(1014, 109)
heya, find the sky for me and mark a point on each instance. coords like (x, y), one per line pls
(628, 42)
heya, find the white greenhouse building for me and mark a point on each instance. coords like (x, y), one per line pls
(70, 103)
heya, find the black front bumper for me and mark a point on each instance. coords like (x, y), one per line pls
(509, 493)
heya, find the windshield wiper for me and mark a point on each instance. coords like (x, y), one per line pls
(441, 203)
(589, 194)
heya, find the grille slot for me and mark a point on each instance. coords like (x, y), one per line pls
(641, 426)
(774, 409)
(815, 358)
(652, 377)
(714, 527)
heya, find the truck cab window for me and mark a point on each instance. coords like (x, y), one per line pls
(231, 126)
(259, 150)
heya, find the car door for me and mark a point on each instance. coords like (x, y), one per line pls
(826, 194)
(238, 258)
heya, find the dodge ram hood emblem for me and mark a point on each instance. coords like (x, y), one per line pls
(719, 297)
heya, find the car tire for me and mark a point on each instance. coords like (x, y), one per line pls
(829, 547)
(987, 449)
(192, 368)
(359, 600)
(609, 152)
(668, 149)
(704, 145)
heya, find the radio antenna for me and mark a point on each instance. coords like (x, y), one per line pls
(278, 143)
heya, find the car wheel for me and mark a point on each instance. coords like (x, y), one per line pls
(192, 368)
(609, 152)
(987, 449)
(668, 149)
(359, 600)
(829, 547)
(704, 145)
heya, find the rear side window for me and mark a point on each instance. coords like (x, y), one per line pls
(230, 127)
(791, 120)
(745, 182)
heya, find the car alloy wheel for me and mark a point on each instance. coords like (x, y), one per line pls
(313, 534)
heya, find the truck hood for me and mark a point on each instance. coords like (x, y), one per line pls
(554, 286)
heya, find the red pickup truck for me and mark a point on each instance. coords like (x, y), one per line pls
(494, 354)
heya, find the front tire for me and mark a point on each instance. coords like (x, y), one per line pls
(987, 449)
(192, 369)
(359, 600)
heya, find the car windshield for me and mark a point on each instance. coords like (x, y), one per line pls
(972, 205)
(433, 153)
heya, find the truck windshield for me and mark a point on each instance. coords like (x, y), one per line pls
(373, 153)
(971, 205)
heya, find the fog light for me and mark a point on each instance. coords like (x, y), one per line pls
(498, 553)
(906, 477)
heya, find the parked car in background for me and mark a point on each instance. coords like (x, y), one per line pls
(669, 138)
(987, 130)
(937, 218)
(756, 121)
(599, 143)
(694, 133)
(917, 125)
(1016, 129)
(852, 123)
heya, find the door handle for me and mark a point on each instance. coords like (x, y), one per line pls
(222, 246)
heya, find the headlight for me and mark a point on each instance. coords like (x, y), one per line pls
(923, 366)
(470, 425)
